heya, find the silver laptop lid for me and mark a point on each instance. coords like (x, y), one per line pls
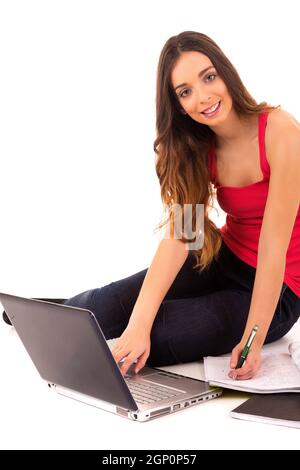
(68, 348)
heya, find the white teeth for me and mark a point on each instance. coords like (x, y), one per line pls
(213, 108)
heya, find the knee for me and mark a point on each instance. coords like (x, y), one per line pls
(82, 300)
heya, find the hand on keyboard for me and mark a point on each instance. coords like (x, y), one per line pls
(133, 344)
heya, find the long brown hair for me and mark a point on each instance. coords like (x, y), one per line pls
(182, 144)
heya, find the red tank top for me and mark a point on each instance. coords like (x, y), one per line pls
(245, 209)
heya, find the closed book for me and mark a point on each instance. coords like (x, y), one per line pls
(281, 409)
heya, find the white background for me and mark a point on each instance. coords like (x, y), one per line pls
(79, 194)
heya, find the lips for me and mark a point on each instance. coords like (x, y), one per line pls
(211, 109)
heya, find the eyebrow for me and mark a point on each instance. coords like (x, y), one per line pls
(199, 75)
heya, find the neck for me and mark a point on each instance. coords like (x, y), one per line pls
(235, 130)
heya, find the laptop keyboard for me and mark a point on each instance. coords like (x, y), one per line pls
(146, 393)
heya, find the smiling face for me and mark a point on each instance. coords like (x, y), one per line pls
(198, 88)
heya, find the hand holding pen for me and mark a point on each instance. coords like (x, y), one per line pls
(243, 356)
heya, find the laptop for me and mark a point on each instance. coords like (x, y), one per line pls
(70, 352)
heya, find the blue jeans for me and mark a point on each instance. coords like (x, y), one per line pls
(202, 313)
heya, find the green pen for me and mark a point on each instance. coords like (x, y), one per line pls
(245, 351)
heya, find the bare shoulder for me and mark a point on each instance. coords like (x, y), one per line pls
(282, 125)
(280, 119)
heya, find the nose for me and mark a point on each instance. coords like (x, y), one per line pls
(206, 101)
(202, 102)
(201, 98)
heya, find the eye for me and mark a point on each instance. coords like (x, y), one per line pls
(211, 75)
(181, 95)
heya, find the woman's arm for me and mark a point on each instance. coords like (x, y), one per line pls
(134, 343)
(280, 213)
(168, 260)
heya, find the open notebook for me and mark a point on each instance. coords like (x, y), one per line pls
(279, 372)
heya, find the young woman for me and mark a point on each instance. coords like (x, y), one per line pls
(212, 137)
